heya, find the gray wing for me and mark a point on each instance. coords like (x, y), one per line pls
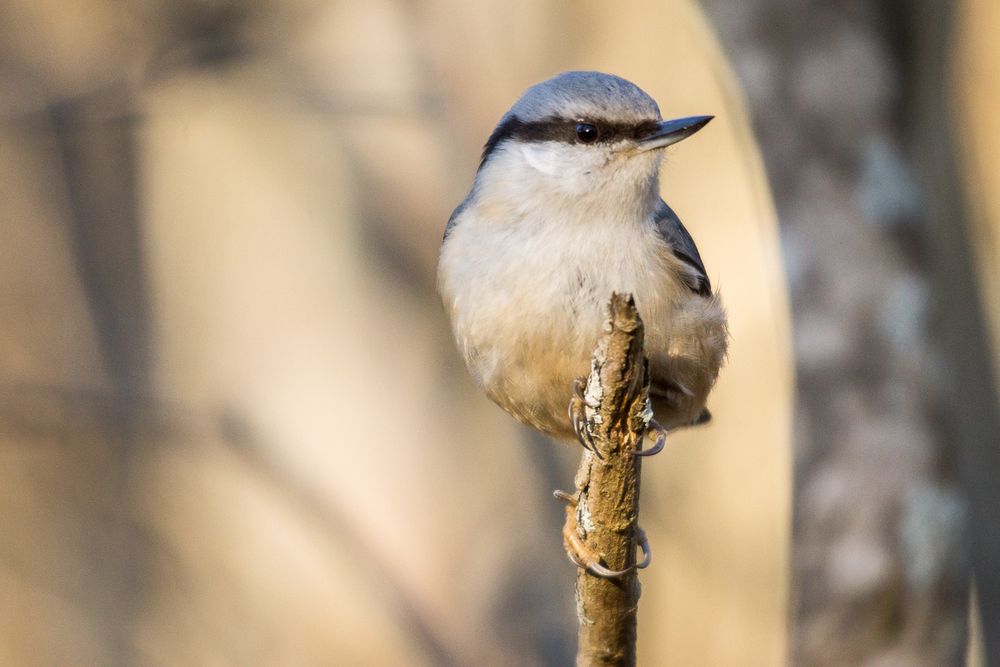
(673, 232)
(680, 242)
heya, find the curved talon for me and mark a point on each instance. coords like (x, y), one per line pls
(573, 410)
(661, 440)
(599, 570)
(573, 557)
(585, 559)
(578, 419)
(647, 552)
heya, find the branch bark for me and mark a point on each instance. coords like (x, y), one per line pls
(605, 517)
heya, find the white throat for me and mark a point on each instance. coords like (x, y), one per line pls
(589, 181)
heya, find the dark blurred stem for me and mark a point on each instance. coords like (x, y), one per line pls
(972, 397)
(607, 512)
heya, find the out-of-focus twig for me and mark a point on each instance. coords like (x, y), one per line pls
(605, 515)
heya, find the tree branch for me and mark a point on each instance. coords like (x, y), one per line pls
(605, 516)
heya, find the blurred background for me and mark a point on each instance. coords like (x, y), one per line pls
(233, 427)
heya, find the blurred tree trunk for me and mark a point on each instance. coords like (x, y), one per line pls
(848, 103)
(972, 414)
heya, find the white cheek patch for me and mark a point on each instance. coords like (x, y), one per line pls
(576, 167)
(558, 159)
(546, 157)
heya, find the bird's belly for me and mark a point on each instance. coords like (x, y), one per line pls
(529, 370)
(527, 364)
(527, 324)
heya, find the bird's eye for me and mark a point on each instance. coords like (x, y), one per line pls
(586, 132)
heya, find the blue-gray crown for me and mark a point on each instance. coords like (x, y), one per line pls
(550, 111)
(586, 95)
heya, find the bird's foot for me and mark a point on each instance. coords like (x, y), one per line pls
(660, 433)
(583, 557)
(578, 418)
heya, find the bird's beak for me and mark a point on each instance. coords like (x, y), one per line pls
(671, 131)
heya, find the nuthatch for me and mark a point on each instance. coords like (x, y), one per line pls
(565, 209)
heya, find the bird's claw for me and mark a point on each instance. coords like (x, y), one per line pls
(578, 418)
(583, 557)
(647, 551)
(661, 439)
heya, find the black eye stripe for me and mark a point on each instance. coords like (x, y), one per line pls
(564, 130)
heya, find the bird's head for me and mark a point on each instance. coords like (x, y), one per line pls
(582, 136)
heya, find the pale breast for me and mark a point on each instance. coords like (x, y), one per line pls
(527, 304)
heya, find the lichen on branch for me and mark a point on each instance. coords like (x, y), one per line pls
(605, 516)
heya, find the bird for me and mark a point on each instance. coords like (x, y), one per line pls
(564, 210)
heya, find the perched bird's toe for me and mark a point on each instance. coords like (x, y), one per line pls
(578, 418)
(661, 439)
(585, 558)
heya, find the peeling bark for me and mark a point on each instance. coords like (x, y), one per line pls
(605, 517)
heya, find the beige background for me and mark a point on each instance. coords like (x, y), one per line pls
(233, 427)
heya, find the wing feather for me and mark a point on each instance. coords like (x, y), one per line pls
(684, 248)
